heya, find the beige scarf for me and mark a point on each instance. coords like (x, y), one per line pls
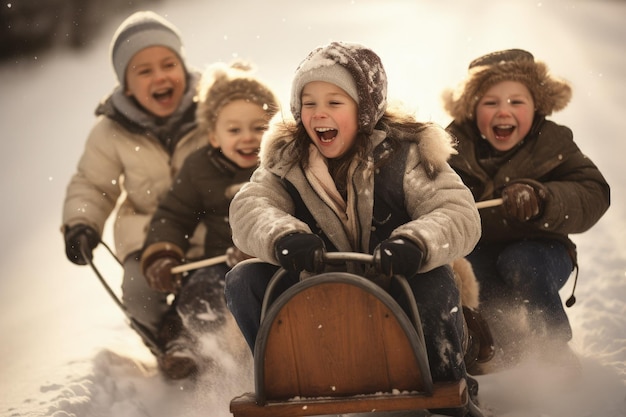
(323, 184)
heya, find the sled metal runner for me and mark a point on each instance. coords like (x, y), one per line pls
(144, 333)
(337, 343)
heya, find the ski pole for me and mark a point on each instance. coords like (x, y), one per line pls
(489, 203)
(145, 334)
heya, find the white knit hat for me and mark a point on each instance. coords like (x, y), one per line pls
(352, 67)
(331, 73)
(139, 31)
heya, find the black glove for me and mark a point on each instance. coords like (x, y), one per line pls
(398, 257)
(299, 251)
(157, 268)
(523, 200)
(74, 236)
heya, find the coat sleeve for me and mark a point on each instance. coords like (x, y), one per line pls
(577, 193)
(446, 223)
(578, 196)
(95, 187)
(261, 213)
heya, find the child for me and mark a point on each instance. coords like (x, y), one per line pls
(144, 131)
(234, 110)
(348, 175)
(549, 189)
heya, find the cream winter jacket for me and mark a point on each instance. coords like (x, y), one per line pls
(445, 222)
(117, 163)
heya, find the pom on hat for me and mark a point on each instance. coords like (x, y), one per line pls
(355, 69)
(549, 93)
(139, 31)
(222, 84)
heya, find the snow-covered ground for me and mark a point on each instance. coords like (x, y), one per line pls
(65, 348)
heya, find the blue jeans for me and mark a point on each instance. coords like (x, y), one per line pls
(436, 295)
(526, 273)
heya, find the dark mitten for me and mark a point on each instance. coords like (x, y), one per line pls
(398, 257)
(523, 200)
(74, 237)
(157, 268)
(299, 251)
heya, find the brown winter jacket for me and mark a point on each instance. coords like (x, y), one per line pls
(577, 193)
(201, 193)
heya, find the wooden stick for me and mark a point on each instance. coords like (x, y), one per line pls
(489, 203)
(199, 264)
(222, 258)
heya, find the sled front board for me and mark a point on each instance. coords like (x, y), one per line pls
(445, 395)
(339, 344)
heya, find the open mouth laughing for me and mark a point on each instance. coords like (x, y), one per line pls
(163, 95)
(326, 134)
(248, 153)
(503, 132)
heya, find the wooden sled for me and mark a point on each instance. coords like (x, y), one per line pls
(337, 343)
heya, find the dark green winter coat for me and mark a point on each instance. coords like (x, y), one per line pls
(577, 193)
(201, 192)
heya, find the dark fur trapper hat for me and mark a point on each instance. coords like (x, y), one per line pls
(549, 93)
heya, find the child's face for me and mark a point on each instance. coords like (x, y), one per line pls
(505, 113)
(330, 117)
(238, 130)
(155, 76)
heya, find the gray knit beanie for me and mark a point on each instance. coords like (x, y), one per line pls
(352, 67)
(141, 30)
(549, 92)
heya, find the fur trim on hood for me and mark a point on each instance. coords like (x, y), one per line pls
(549, 92)
(435, 145)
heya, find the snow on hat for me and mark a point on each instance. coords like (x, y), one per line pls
(141, 30)
(222, 84)
(549, 93)
(352, 67)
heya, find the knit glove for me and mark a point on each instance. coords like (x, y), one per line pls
(234, 255)
(299, 251)
(157, 268)
(398, 256)
(74, 237)
(523, 200)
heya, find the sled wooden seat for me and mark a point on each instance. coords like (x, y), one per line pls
(337, 343)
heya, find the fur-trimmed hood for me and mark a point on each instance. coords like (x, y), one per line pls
(435, 145)
(549, 92)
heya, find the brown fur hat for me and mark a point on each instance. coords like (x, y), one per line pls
(549, 93)
(222, 84)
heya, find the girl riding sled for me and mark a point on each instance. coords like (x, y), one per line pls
(350, 175)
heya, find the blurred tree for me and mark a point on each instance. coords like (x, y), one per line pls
(29, 26)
